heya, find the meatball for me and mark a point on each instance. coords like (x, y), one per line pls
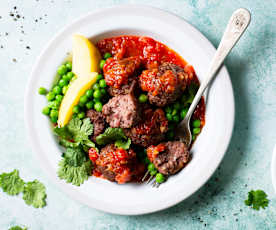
(118, 72)
(151, 130)
(130, 87)
(169, 157)
(122, 111)
(116, 164)
(163, 84)
(98, 121)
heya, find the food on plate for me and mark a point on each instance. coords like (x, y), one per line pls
(86, 57)
(116, 117)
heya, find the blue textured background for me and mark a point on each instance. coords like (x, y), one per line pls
(219, 204)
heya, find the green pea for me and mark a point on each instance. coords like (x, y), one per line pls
(64, 89)
(50, 96)
(176, 118)
(83, 99)
(59, 98)
(170, 135)
(196, 123)
(98, 106)
(97, 100)
(107, 55)
(168, 109)
(159, 178)
(54, 119)
(54, 104)
(183, 113)
(99, 77)
(69, 76)
(54, 113)
(97, 94)
(89, 105)
(169, 116)
(96, 86)
(103, 91)
(63, 82)
(81, 104)
(143, 98)
(57, 89)
(153, 172)
(176, 106)
(193, 137)
(42, 91)
(68, 65)
(62, 70)
(151, 167)
(196, 131)
(174, 112)
(46, 110)
(89, 93)
(102, 83)
(81, 115)
(102, 62)
(76, 109)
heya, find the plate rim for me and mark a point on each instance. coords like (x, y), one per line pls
(35, 147)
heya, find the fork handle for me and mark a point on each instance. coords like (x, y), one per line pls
(237, 24)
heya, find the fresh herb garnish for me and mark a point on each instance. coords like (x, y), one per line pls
(123, 144)
(76, 133)
(75, 175)
(74, 156)
(17, 228)
(257, 199)
(34, 194)
(11, 183)
(110, 135)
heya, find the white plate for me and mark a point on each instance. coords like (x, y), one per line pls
(210, 147)
(273, 168)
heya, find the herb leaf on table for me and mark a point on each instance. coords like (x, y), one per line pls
(11, 183)
(34, 194)
(257, 199)
(17, 228)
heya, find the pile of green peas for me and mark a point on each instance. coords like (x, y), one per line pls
(92, 98)
(159, 177)
(176, 112)
(57, 93)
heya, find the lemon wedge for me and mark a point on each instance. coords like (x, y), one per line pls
(86, 57)
(77, 88)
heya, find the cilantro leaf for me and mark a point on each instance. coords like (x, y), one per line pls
(68, 144)
(109, 135)
(74, 156)
(75, 175)
(89, 143)
(121, 144)
(17, 228)
(257, 199)
(80, 129)
(34, 194)
(11, 183)
(63, 132)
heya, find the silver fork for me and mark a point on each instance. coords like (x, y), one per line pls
(237, 24)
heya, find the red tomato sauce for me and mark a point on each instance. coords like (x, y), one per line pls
(151, 53)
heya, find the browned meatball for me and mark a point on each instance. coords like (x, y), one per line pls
(116, 164)
(98, 121)
(118, 72)
(151, 130)
(131, 86)
(163, 84)
(122, 111)
(169, 157)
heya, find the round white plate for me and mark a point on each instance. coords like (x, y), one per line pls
(273, 168)
(210, 147)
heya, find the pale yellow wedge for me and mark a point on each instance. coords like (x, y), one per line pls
(76, 89)
(85, 56)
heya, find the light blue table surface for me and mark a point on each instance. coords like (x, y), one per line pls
(219, 204)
